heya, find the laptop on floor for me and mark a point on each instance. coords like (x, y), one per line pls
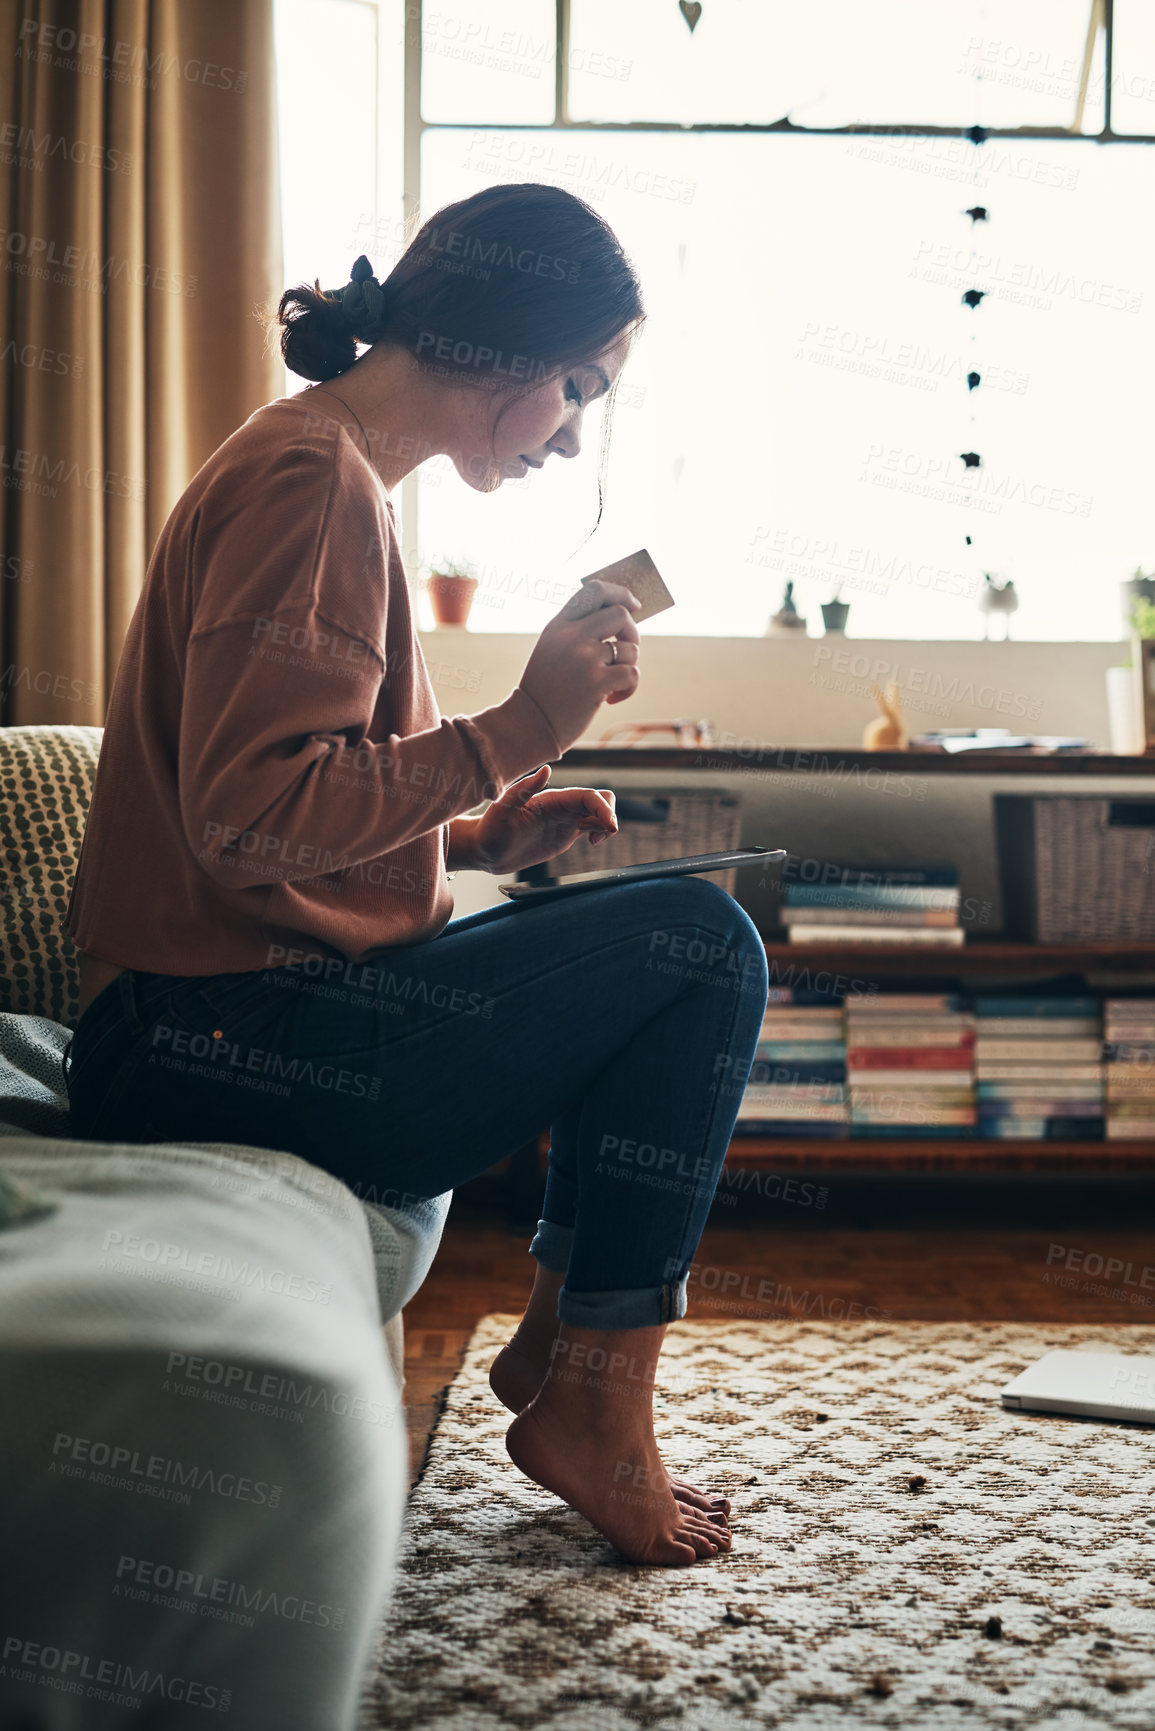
(1087, 1385)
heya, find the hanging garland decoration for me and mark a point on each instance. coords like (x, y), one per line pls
(972, 300)
(992, 598)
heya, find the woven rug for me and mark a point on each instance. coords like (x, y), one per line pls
(906, 1552)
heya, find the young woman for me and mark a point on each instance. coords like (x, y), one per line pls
(262, 902)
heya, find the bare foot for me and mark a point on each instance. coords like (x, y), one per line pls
(517, 1374)
(620, 1486)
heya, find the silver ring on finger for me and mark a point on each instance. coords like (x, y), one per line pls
(613, 652)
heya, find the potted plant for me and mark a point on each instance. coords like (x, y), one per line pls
(1140, 586)
(1129, 709)
(451, 591)
(998, 598)
(835, 613)
(1142, 618)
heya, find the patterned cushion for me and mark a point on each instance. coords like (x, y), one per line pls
(46, 777)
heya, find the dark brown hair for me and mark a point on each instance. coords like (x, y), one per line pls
(503, 289)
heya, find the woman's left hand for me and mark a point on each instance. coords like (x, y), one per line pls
(526, 826)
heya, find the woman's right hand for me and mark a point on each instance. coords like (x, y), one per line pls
(569, 674)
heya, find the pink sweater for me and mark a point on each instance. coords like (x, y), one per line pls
(275, 779)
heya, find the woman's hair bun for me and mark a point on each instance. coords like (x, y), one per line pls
(316, 340)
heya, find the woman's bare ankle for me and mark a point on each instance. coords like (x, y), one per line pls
(599, 1372)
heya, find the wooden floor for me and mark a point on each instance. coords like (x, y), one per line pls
(927, 1252)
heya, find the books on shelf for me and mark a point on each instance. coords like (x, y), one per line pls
(1029, 1050)
(1038, 1067)
(905, 919)
(1129, 1068)
(924, 937)
(991, 1072)
(871, 1056)
(1058, 1027)
(909, 1065)
(1054, 1128)
(922, 1030)
(901, 905)
(797, 1082)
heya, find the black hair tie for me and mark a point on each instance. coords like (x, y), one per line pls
(363, 302)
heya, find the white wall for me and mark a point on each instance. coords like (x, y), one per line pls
(815, 692)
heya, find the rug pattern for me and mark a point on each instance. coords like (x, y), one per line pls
(906, 1552)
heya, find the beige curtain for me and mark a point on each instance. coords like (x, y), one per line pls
(139, 210)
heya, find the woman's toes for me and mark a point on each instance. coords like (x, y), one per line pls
(703, 1523)
(719, 1536)
(693, 1498)
(689, 1496)
(704, 1545)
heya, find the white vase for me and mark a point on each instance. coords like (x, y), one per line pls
(1123, 711)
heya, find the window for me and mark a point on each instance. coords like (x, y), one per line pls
(798, 406)
(338, 96)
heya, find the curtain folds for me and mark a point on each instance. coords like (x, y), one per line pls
(139, 232)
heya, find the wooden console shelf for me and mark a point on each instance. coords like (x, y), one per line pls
(869, 1154)
(835, 760)
(918, 966)
(880, 1155)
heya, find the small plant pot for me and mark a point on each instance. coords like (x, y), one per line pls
(834, 616)
(1132, 590)
(451, 598)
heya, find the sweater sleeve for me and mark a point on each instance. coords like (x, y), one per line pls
(295, 746)
(275, 762)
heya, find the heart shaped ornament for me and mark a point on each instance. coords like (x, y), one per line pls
(691, 11)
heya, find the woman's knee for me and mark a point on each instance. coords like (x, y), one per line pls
(730, 939)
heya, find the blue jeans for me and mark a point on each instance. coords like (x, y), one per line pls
(625, 1018)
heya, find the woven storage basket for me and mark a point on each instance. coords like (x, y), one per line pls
(1077, 869)
(698, 820)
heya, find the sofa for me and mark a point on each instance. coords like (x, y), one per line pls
(203, 1451)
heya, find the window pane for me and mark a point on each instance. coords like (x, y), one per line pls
(327, 107)
(1133, 74)
(830, 62)
(797, 405)
(488, 60)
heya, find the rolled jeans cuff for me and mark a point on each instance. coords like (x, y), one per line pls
(551, 1245)
(633, 1307)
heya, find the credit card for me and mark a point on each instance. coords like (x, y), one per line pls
(638, 573)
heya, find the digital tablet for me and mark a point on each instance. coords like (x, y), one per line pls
(658, 868)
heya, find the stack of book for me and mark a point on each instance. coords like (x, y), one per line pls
(1038, 1067)
(797, 1083)
(915, 905)
(909, 1061)
(1129, 1053)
